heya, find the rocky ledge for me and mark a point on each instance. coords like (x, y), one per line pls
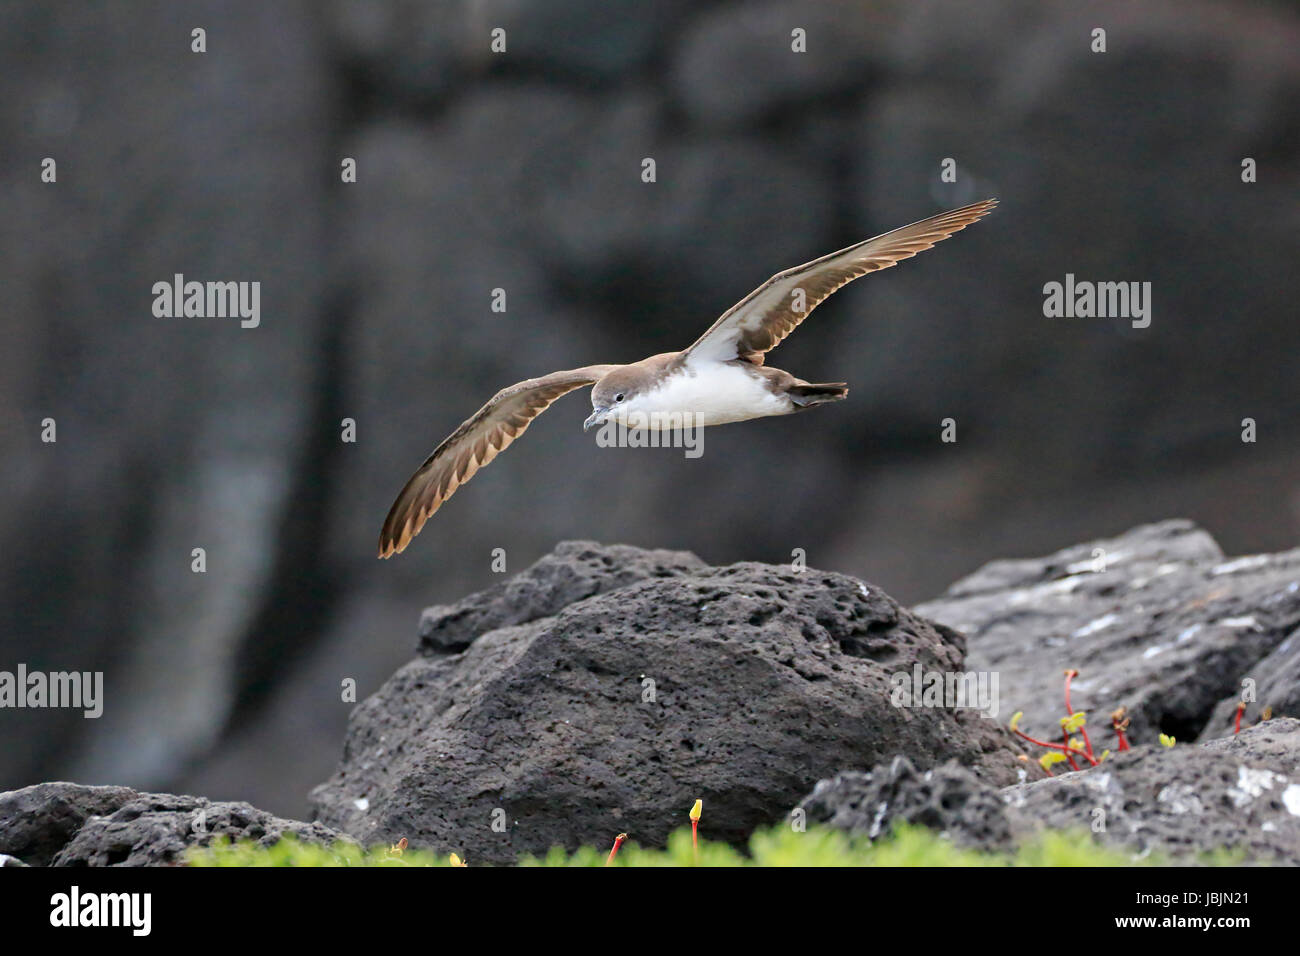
(68, 824)
(604, 689)
(1239, 794)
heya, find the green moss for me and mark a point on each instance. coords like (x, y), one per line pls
(779, 846)
(292, 852)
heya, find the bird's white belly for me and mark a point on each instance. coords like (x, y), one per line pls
(711, 395)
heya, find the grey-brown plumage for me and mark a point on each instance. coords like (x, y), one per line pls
(476, 442)
(720, 378)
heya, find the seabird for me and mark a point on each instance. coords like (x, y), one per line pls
(720, 378)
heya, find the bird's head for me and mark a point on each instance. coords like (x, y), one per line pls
(613, 395)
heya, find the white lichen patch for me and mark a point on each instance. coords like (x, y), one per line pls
(1181, 798)
(1238, 623)
(1281, 596)
(1251, 783)
(1101, 781)
(1241, 564)
(1099, 624)
(1291, 799)
(1037, 592)
(1160, 571)
(1090, 565)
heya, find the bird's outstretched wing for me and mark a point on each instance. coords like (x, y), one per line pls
(476, 442)
(758, 322)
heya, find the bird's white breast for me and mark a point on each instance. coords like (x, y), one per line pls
(712, 393)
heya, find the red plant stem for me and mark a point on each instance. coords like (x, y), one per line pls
(1092, 761)
(1069, 712)
(695, 839)
(1069, 754)
(1087, 746)
(1241, 709)
(1123, 742)
(618, 842)
(1064, 748)
(1040, 743)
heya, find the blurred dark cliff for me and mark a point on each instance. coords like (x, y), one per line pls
(522, 171)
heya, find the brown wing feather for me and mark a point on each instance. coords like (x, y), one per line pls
(758, 322)
(478, 440)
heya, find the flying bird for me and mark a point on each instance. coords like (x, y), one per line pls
(721, 378)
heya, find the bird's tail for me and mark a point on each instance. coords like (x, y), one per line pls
(806, 395)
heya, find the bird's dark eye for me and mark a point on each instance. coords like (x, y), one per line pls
(618, 397)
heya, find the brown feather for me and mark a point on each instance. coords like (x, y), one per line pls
(477, 441)
(757, 323)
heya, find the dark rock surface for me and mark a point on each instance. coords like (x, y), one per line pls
(1241, 795)
(67, 824)
(1275, 687)
(948, 798)
(764, 679)
(1160, 621)
(1274, 744)
(1156, 620)
(573, 572)
(37, 822)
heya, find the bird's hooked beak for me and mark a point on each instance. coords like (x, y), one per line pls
(597, 417)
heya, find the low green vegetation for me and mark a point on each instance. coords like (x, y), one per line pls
(779, 846)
